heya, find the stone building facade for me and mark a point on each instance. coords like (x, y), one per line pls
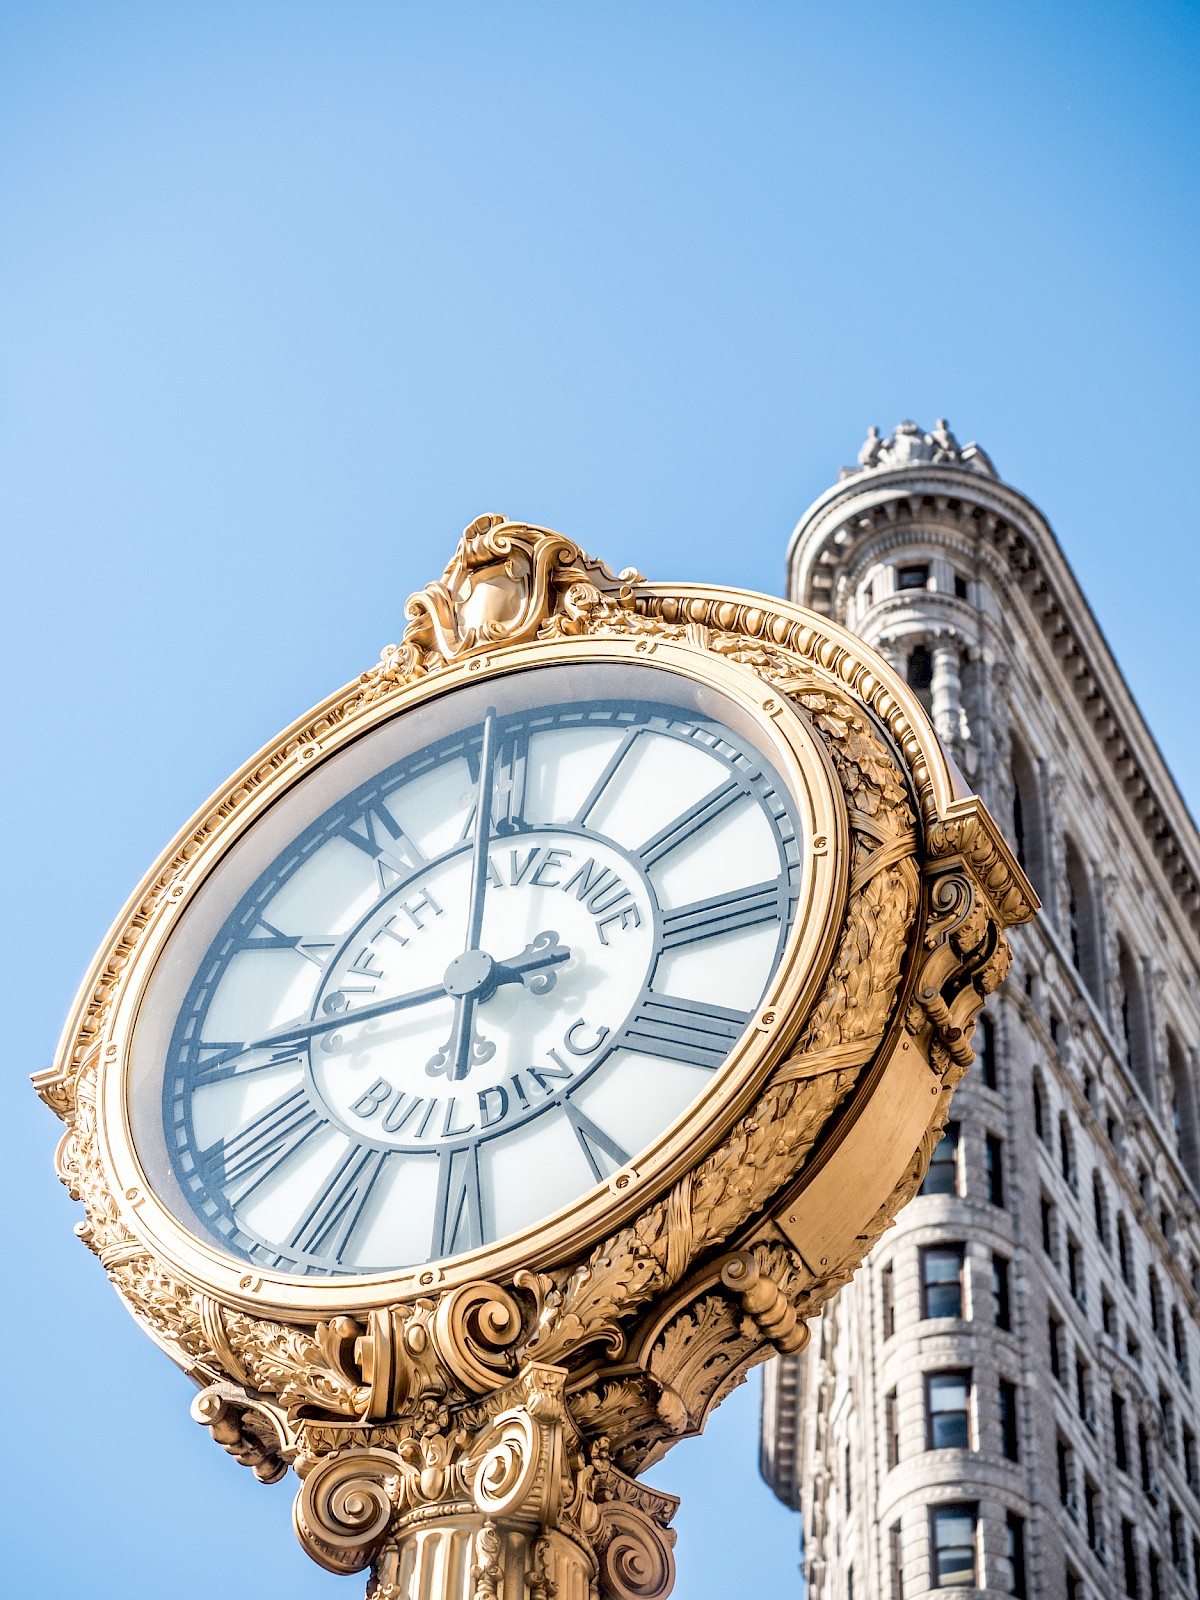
(1004, 1401)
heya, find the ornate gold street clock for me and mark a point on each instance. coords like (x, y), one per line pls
(524, 1044)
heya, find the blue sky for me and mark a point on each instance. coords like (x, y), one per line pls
(290, 293)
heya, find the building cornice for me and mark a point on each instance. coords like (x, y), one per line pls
(867, 503)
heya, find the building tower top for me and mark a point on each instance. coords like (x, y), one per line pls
(921, 509)
(908, 447)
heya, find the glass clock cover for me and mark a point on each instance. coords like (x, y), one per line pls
(465, 970)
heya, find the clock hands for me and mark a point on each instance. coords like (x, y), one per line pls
(532, 966)
(474, 977)
(465, 1047)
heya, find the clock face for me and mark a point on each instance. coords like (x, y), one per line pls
(470, 971)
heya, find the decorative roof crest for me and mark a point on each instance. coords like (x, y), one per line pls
(909, 447)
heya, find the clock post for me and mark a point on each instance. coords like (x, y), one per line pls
(554, 1019)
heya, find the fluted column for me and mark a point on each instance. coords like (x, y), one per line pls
(946, 690)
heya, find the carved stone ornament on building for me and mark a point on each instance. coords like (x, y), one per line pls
(522, 1046)
(908, 446)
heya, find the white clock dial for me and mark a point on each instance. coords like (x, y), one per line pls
(480, 981)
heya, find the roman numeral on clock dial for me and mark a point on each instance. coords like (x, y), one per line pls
(458, 1215)
(604, 1155)
(241, 1162)
(392, 852)
(333, 1215)
(684, 1030)
(688, 822)
(218, 1061)
(316, 948)
(508, 798)
(723, 913)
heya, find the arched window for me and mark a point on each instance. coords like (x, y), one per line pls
(919, 673)
(1027, 816)
(1134, 1034)
(1081, 922)
(1183, 1109)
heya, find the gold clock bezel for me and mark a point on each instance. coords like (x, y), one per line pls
(802, 763)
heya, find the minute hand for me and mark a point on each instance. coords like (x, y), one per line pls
(464, 1046)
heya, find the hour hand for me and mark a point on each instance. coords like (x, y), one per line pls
(534, 967)
(466, 1047)
(474, 977)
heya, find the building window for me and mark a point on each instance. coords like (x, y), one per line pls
(1074, 1586)
(1108, 1314)
(1129, 1557)
(985, 1051)
(1014, 1549)
(1047, 1209)
(952, 1546)
(1179, 1345)
(1155, 1577)
(896, 1561)
(1054, 1328)
(919, 673)
(1120, 1438)
(1123, 1255)
(948, 1411)
(1065, 1459)
(942, 1177)
(1026, 815)
(1156, 1306)
(1178, 1554)
(1039, 1110)
(913, 577)
(1196, 1567)
(1133, 1021)
(1081, 930)
(1091, 1514)
(1143, 1440)
(1083, 1390)
(1183, 1110)
(1166, 1410)
(960, 586)
(891, 1424)
(888, 1286)
(1075, 1271)
(1009, 1443)
(1001, 1315)
(1100, 1208)
(942, 1281)
(994, 1151)
(1066, 1151)
(1191, 1468)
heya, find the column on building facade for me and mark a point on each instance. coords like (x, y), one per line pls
(946, 689)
